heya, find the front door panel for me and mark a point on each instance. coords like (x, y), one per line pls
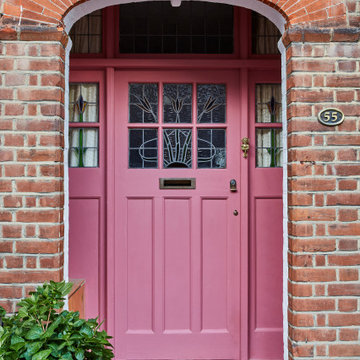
(177, 245)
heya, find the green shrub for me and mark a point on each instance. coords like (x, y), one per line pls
(40, 330)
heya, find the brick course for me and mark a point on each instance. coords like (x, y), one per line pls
(323, 63)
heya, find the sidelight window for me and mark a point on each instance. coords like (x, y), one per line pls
(269, 145)
(84, 125)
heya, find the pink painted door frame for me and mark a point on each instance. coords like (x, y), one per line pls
(87, 215)
(107, 264)
(265, 240)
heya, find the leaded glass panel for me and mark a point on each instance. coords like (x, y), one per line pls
(268, 103)
(211, 103)
(143, 104)
(265, 35)
(269, 147)
(84, 147)
(83, 102)
(143, 148)
(177, 148)
(86, 34)
(192, 28)
(211, 151)
(177, 103)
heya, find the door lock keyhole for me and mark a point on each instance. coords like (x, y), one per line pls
(233, 187)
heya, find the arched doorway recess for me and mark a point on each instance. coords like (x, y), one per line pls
(247, 287)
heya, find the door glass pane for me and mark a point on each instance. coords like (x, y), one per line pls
(143, 103)
(177, 148)
(269, 147)
(268, 103)
(211, 103)
(143, 144)
(83, 104)
(84, 148)
(177, 103)
(211, 150)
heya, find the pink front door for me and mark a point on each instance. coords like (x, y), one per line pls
(177, 223)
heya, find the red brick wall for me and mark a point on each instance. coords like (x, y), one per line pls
(324, 194)
(323, 64)
(31, 166)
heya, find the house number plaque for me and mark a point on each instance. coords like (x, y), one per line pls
(331, 117)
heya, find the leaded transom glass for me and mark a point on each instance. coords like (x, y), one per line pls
(211, 103)
(177, 102)
(265, 35)
(86, 34)
(143, 104)
(192, 28)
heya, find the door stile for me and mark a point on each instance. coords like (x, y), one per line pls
(196, 270)
(158, 266)
(244, 213)
(110, 196)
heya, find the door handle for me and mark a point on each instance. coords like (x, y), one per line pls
(245, 146)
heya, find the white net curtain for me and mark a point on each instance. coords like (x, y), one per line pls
(86, 34)
(265, 36)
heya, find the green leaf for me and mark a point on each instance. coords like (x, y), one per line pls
(50, 330)
(67, 356)
(44, 354)
(79, 323)
(23, 312)
(34, 333)
(66, 288)
(79, 355)
(86, 330)
(33, 348)
(17, 342)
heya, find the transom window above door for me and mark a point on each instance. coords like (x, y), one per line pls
(174, 125)
(192, 28)
(155, 27)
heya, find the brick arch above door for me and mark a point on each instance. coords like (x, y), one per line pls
(51, 13)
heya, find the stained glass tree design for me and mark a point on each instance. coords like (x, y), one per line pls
(273, 151)
(81, 105)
